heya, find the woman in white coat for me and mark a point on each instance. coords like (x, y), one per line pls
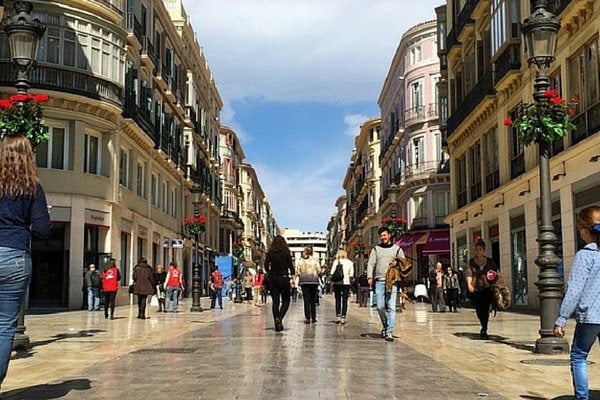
(341, 288)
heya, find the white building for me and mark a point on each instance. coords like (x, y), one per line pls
(298, 240)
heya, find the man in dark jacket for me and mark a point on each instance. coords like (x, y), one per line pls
(93, 283)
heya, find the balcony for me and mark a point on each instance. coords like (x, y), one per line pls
(464, 20)
(160, 75)
(586, 123)
(420, 114)
(115, 5)
(483, 88)
(134, 30)
(61, 80)
(492, 181)
(147, 53)
(517, 165)
(507, 64)
(140, 116)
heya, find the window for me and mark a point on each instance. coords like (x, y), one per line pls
(173, 208)
(420, 210)
(124, 168)
(165, 197)
(417, 156)
(55, 152)
(461, 181)
(505, 23)
(141, 180)
(475, 171)
(69, 48)
(442, 206)
(53, 49)
(492, 168)
(154, 190)
(416, 55)
(91, 156)
(517, 151)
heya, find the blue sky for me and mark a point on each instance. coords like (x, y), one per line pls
(297, 79)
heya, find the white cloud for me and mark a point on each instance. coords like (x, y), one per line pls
(353, 123)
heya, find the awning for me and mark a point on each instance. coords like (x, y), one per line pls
(408, 239)
(438, 242)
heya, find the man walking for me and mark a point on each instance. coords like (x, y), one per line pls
(216, 284)
(93, 281)
(379, 259)
(438, 303)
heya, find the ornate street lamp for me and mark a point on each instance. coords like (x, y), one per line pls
(23, 33)
(239, 231)
(540, 30)
(196, 191)
(392, 195)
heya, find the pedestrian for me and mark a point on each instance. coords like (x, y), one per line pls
(341, 289)
(173, 284)
(363, 289)
(216, 287)
(308, 270)
(438, 303)
(23, 214)
(247, 284)
(379, 258)
(582, 299)
(280, 271)
(93, 282)
(144, 285)
(451, 289)
(481, 273)
(159, 280)
(110, 284)
(258, 282)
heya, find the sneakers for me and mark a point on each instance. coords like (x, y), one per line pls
(389, 338)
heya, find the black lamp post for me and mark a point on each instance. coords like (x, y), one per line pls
(24, 33)
(540, 30)
(392, 196)
(238, 284)
(196, 191)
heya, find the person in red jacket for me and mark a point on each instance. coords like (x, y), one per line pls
(173, 284)
(110, 284)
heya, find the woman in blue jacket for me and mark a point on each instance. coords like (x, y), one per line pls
(583, 299)
(23, 212)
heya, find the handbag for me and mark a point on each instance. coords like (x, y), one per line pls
(131, 288)
(338, 274)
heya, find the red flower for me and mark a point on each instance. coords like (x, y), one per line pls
(551, 94)
(508, 121)
(570, 111)
(5, 104)
(41, 98)
(556, 101)
(574, 99)
(202, 219)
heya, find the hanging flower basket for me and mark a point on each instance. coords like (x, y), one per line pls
(396, 226)
(359, 248)
(544, 121)
(238, 249)
(195, 225)
(21, 114)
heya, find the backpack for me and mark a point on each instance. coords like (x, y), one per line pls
(500, 298)
(96, 279)
(338, 274)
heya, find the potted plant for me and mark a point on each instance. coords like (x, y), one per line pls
(195, 225)
(21, 114)
(396, 226)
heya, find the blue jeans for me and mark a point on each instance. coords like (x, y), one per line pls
(583, 340)
(341, 300)
(216, 297)
(172, 297)
(93, 298)
(386, 306)
(15, 273)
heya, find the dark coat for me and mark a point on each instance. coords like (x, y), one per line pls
(144, 279)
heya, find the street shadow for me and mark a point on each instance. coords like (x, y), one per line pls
(47, 391)
(519, 345)
(594, 395)
(22, 352)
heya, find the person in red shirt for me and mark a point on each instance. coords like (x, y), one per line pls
(173, 284)
(216, 286)
(110, 284)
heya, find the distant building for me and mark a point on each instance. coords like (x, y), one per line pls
(298, 240)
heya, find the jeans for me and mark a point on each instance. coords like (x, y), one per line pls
(142, 302)
(15, 274)
(309, 296)
(217, 297)
(583, 340)
(172, 297)
(386, 306)
(482, 300)
(341, 300)
(281, 294)
(93, 295)
(109, 303)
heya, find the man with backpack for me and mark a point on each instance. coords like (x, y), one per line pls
(93, 281)
(379, 259)
(216, 285)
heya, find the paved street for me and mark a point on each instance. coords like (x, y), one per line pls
(235, 354)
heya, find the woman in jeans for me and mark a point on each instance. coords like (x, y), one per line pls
(280, 271)
(481, 273)
(23, 213)
(583, 299)
(341, 289)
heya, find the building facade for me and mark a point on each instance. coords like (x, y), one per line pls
(298, 240)
(133, 117)
(495, 178)
(415, 179)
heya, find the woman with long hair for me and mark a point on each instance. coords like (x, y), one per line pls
(582, 299)
(341, 289)
(481, 274)
(280, 271)
(23, 213)
(308, 270)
